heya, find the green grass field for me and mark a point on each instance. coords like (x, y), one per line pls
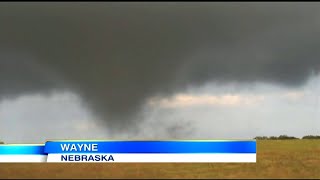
(275, 159)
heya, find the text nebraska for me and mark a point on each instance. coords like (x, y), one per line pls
(84, 158)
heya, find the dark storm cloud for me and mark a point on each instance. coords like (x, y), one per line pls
(115, 55)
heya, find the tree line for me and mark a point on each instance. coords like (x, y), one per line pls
(281, 137)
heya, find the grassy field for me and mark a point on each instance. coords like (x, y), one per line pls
(275, 159)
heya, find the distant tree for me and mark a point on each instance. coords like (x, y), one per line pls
(273, 137)
(286, 137)
(1, 142)
(311, 137)
(261, 138)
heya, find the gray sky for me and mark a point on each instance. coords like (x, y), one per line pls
(158, 70)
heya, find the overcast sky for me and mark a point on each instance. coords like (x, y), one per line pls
(158, 70)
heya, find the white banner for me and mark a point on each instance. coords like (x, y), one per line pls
(132, 158)
(23, 158)
(154, 158)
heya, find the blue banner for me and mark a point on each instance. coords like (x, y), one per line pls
(185, 146)
(22, 149)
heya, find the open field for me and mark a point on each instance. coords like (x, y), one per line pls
(275, 159)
